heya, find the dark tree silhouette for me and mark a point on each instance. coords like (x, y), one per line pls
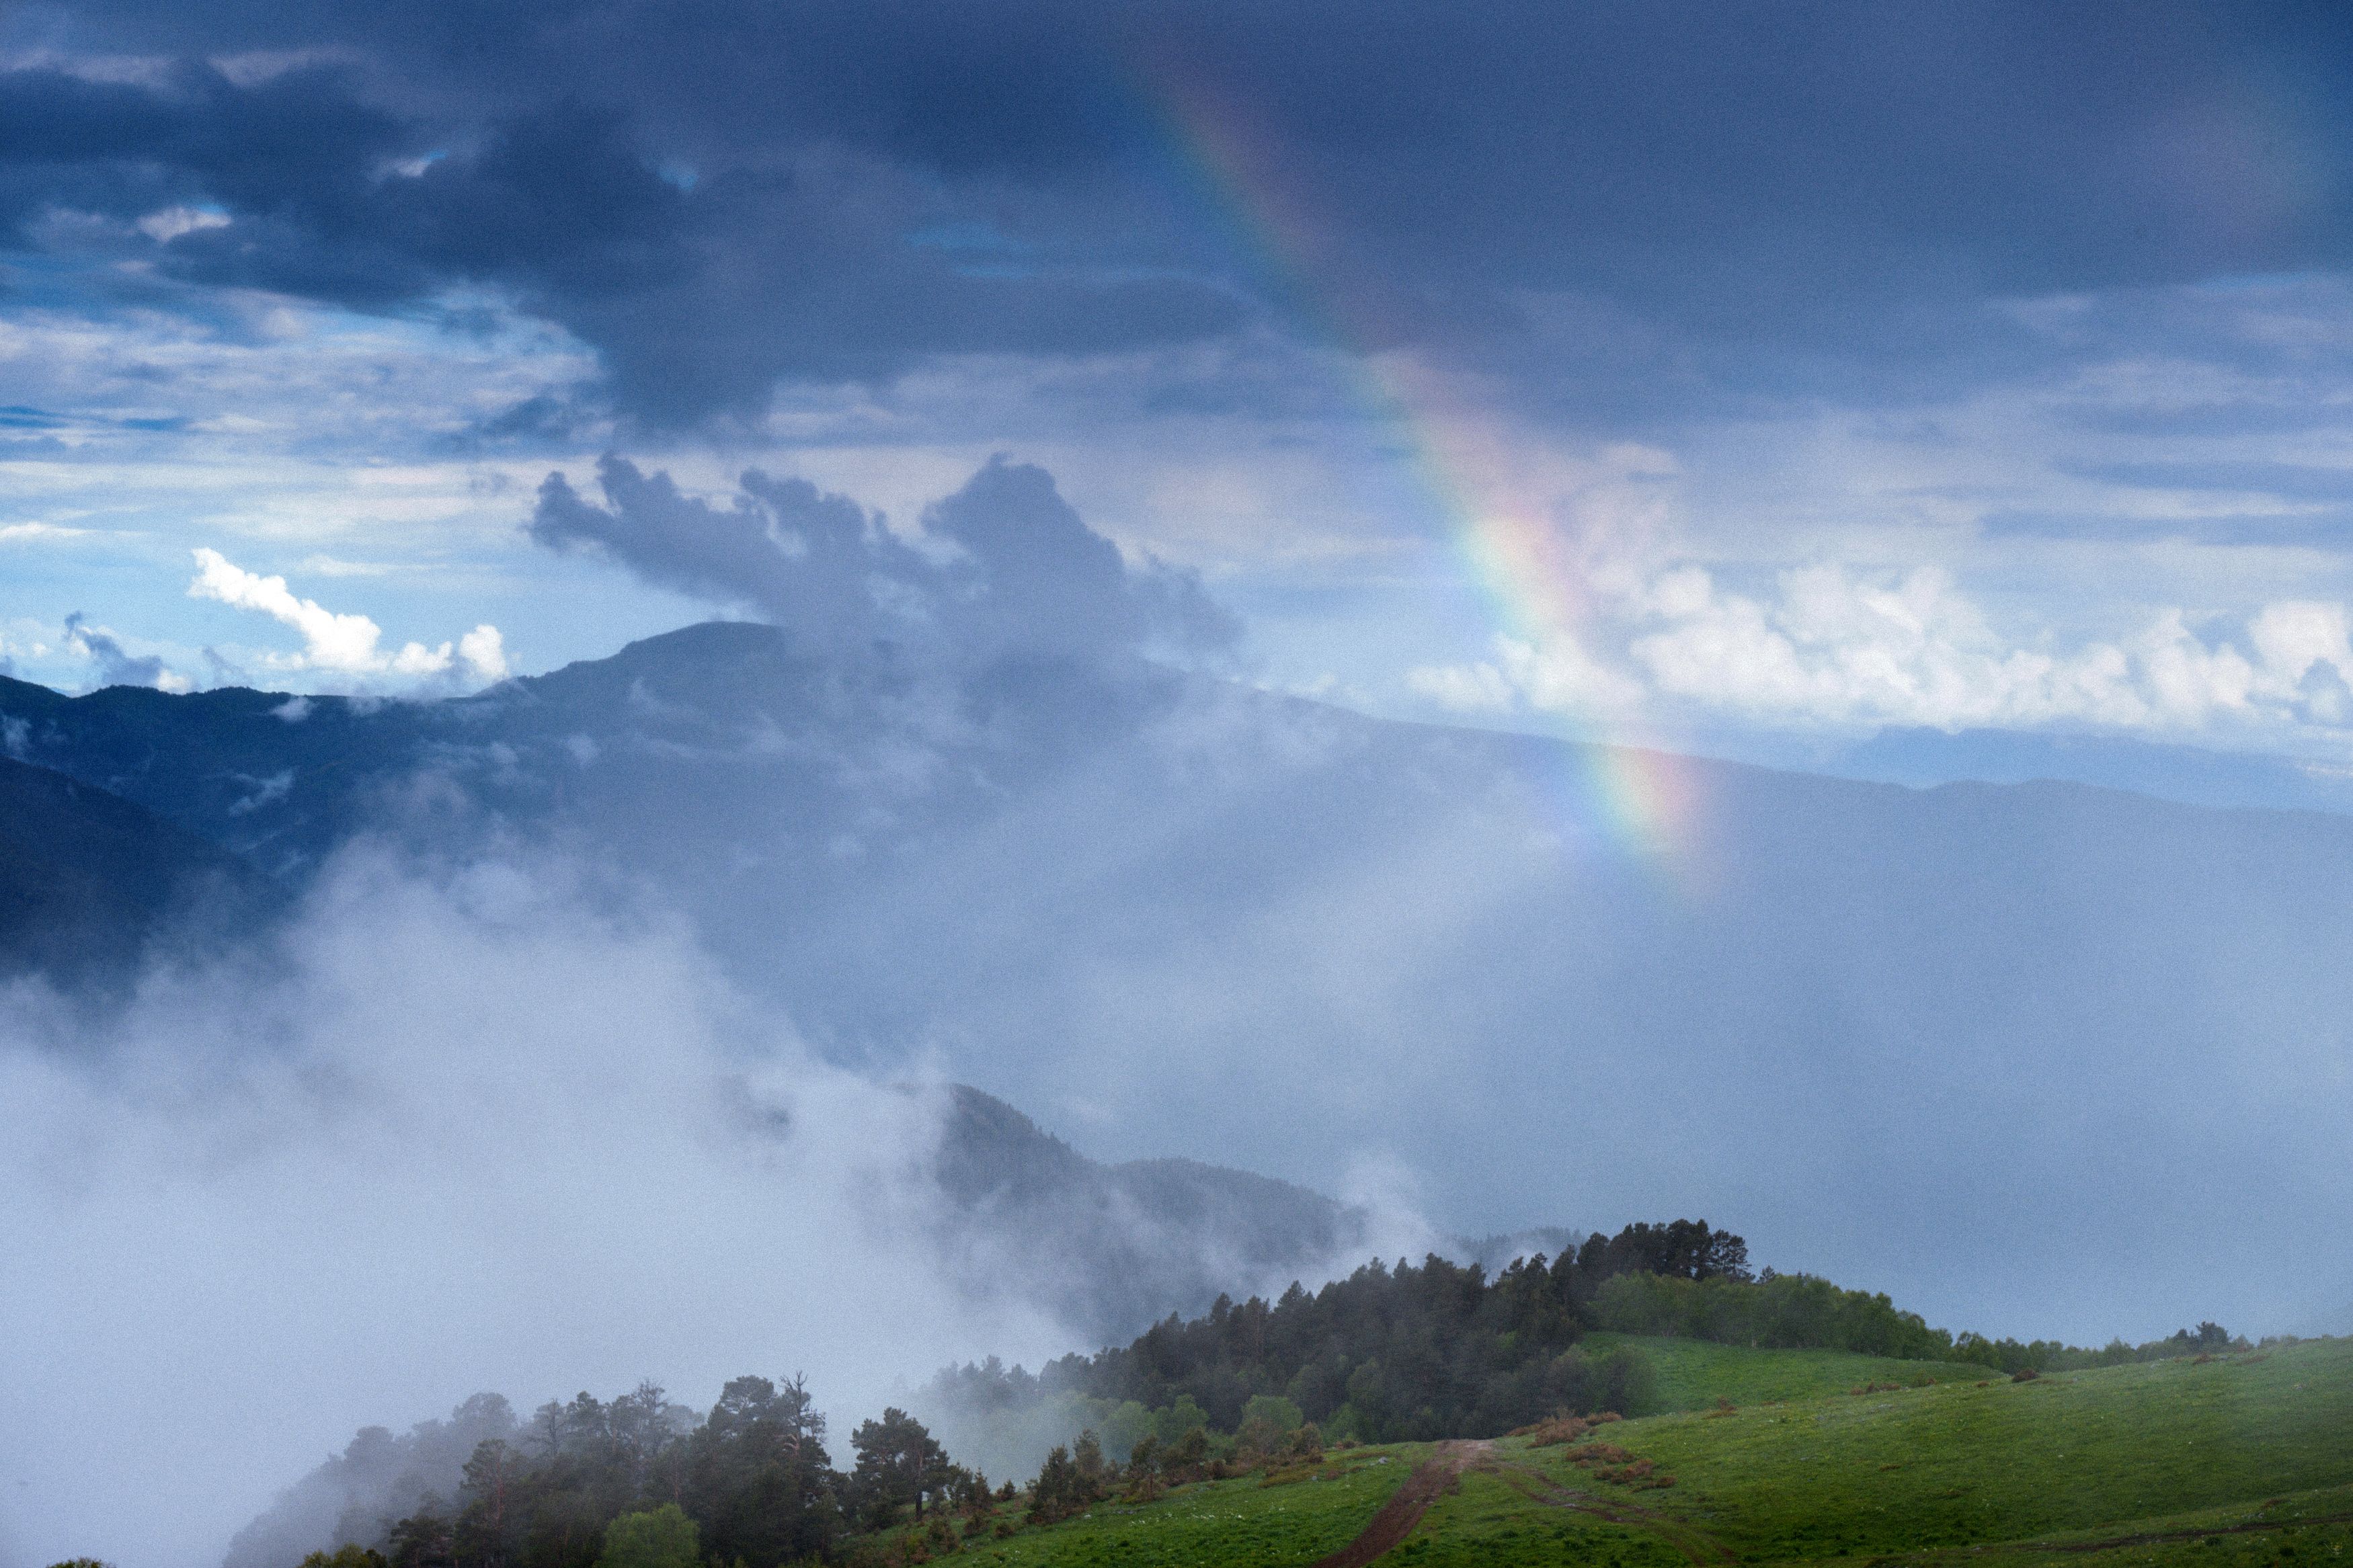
(898, 1463)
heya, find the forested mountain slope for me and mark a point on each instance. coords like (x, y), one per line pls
(88, 880)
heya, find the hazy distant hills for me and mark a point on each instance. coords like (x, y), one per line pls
(725, 740)
(2189, 774)
(1972, 1044)
(1124, 1244)
(1114, 1247)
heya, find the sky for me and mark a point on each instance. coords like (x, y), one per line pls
(1673, 373)
(1769, 381)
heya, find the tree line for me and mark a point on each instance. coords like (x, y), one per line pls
(638, 1482)
(1799, 1312)
(1446, 1349)
(1388, 1355)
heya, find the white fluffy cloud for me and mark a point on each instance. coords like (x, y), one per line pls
(1836, 647)
(342, 644)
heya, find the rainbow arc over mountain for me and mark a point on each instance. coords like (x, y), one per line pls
(1643, 801)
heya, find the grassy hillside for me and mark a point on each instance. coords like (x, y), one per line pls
(1238, 1522)
(1692, 1374)
(2220, 1464)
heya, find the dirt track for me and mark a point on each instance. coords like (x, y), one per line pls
(1694, 1545)
(1407, 1505)
(2163, 1537)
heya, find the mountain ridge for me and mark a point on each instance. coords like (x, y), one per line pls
(1181, 908)
(1132, 1240)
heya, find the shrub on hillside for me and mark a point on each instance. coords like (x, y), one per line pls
(658, 1537)
(348, 1555)
(1553, 1432)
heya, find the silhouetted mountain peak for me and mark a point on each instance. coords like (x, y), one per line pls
(706, 666)
(1129, 1243)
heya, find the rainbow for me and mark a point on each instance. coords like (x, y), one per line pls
(1640, 800)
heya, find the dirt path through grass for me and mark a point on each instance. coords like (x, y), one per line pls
(1534, 1485)
(1408, 1504)
(2165, 1537)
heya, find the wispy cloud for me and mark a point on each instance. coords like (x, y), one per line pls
(116, 665)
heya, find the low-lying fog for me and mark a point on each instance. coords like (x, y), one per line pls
(455, 1135)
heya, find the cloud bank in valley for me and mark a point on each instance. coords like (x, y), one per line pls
(450, 1136)
(464, 1125)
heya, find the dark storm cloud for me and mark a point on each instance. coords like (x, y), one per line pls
(718, 196)
(1017, 569)
(698, 292)
(809, 560)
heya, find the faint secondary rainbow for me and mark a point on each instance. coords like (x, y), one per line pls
(1643, 800)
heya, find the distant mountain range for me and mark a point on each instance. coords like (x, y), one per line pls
(1962, 1042)
(2189, 774)
(1120, 1246)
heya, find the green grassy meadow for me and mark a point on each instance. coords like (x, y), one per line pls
(1233, 1521)
(1694, 1374)
(2166, 1463)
